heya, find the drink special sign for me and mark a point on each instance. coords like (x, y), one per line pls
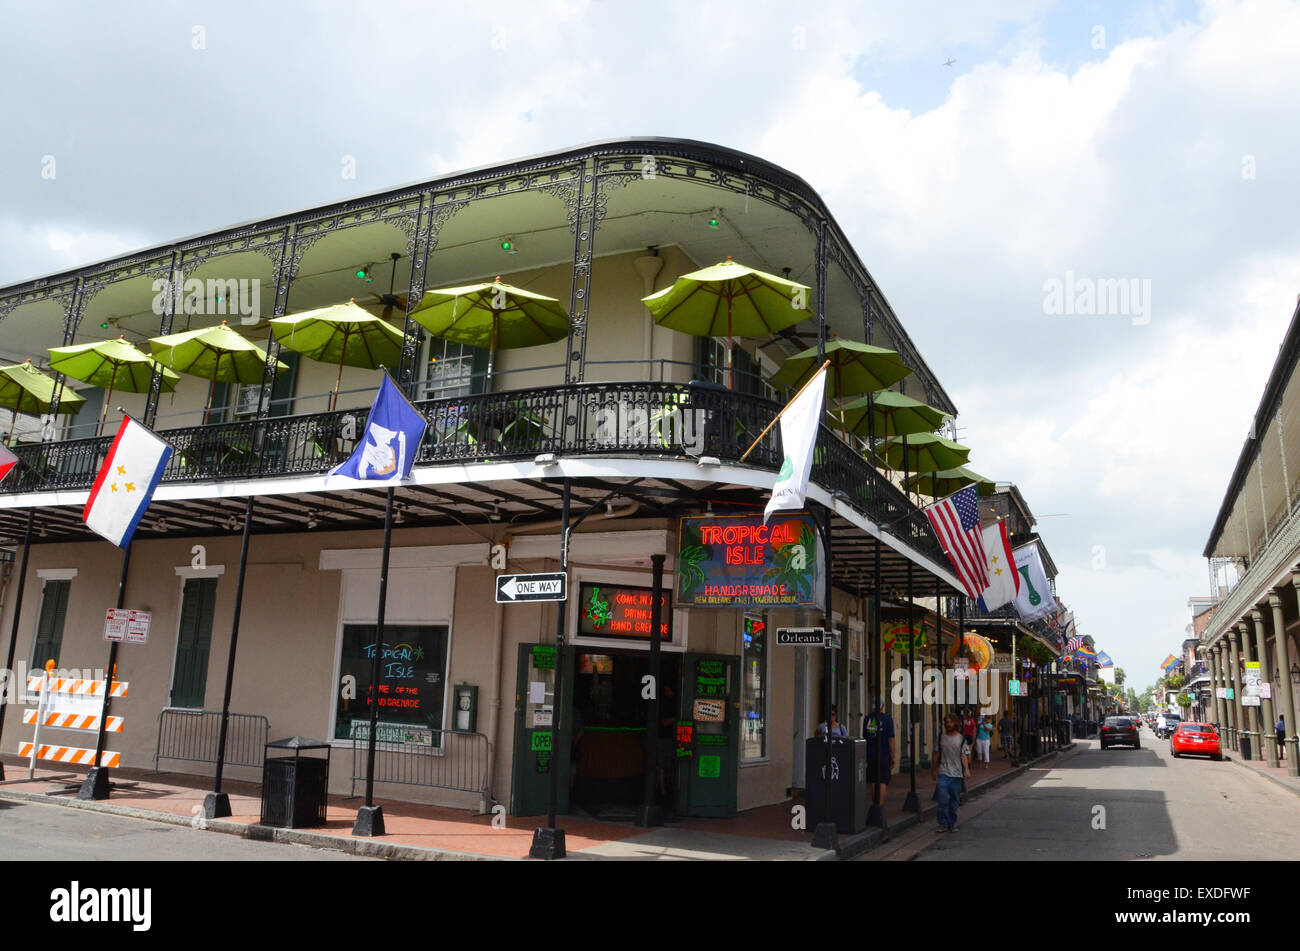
(737, 561)
(622, 611)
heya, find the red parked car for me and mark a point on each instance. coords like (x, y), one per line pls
(1198, 739)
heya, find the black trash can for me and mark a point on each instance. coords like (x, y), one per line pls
(295, 788)
(1243, 743)
(848, 779)
(1028, 745)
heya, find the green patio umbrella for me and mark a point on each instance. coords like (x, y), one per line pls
(110, 365)
(924, 452)
(944, 483)
(497, 316)
(25, 389)
(856, 368)
(730, 300)
(889, 413)
(343, 334)
(212, 353)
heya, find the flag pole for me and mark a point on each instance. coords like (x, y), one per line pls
(370, 817)
(216, 805)
(95, 785)
(783, 409)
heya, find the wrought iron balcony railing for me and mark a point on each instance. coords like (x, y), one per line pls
(666, 420)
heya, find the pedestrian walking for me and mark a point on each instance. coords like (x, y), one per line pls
(983, 737)
(1007, 735)
(837, 728)
(949, 769)
(1280, 728)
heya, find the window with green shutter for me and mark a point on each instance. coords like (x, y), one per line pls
(190, 679)
(49, 628)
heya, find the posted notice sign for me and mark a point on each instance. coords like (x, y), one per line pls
(127, 624)
(549, 586)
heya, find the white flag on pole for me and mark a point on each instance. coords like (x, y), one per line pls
(799, 425)
(1035, 597)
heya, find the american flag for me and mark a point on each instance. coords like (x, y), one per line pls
(956, 520)
(1074, 643)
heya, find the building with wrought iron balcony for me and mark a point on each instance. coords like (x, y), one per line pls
(1254, 565)
(639, 421)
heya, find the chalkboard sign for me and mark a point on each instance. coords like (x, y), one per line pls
(412, 681)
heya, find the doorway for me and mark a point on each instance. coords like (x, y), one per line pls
(610, 728)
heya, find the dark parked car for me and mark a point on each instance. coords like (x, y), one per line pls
(1116, 731)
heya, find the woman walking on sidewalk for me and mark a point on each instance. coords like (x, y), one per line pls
(983, 737)
(951, 766)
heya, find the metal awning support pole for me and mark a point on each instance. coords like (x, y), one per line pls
(216, 805)
(14, 684)
(824, 835)
(548, 841)
(875, 661)
(650, 813)
(95, 785)
(912, 803)
(370, 817)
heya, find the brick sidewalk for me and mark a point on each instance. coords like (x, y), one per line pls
(417, 831)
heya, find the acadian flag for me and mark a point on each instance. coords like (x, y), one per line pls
(1004, 580)
(799, 424)
(125, 483)
(1035, 597)
(7, 461)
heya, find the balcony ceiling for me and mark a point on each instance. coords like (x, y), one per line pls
(511, 505)
(660, 211)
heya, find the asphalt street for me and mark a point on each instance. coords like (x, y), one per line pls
(51, 833)
(1117, 804)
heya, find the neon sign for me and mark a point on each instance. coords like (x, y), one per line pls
(622, 611)
(737, 561)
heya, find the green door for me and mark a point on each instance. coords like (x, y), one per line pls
(541, 744)
(708, 735)
(190, 679)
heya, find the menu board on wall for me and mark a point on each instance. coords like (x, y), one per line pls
(621, 611)
(737, 561)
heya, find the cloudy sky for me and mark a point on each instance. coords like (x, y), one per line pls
(1148, 142)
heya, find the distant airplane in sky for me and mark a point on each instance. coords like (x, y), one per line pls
(950, 62)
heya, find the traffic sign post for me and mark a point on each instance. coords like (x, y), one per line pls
(806, 637)
(517, 589)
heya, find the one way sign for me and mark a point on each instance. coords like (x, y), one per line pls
(512, 589)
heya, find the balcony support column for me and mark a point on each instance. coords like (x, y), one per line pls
(1219, 723)
(1267, 737)
(176, 288)
(1234, 683)
(1283, 670)
(72, 312)
(1250, 714)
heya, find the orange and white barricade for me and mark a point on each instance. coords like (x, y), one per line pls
(67, 703)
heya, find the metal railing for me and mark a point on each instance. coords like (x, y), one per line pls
(192, 736)
(455, 760)
(1283, 547)
(667, 420)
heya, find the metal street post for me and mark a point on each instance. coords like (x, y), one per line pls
(95, 785)
(824, 835)
(650, 813)
(216, 805)
(911, 803)
(13, 631)
(548, 841)
(370, 817)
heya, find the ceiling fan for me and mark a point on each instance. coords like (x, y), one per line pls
(389, 300)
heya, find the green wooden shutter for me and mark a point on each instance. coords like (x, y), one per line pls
(478, 365)
(190, 680)
(49, 629)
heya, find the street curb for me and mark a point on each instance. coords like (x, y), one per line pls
(866, 841)
(260, 833)
(1275, 780)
